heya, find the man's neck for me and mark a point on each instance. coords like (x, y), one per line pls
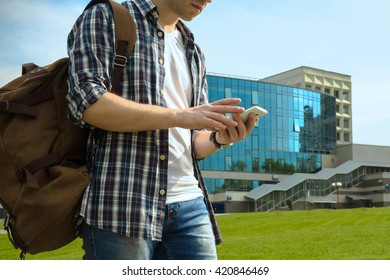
(167, 18)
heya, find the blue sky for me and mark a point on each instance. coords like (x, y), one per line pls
(251, 38)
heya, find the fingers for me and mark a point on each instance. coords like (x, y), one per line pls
(229, 135)
(216, 112)
(239, 132)
(242, 130)
(227, 106)
(227, 101)
(213, 116)
(218, 122)
(251, 123)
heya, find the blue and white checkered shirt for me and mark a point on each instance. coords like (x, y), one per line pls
(128, 171)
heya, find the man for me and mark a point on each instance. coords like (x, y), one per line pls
(146, 198)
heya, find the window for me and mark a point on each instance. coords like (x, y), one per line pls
(345, 95)
(297, 127)
(337, 94)
(279, 101)
(346, 123)
(228, 162)
(255, 97)
(346, 137)
(228, 93)
(255, 142)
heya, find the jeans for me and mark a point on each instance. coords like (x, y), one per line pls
(187, 235)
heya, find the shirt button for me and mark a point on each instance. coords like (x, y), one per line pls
(162, 192)
(160, 34)
(161, 61)
(162, 157)
(155, 14)
(162, 92)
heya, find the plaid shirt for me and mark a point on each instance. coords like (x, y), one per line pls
(128, 183)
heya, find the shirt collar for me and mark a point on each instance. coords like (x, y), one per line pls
(145, 6)
(186, 32)
(148, 7)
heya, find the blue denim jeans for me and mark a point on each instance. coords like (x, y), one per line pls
(187, 235)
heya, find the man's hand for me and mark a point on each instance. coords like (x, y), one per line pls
(211, 116)
(204, 147)
(234, 134)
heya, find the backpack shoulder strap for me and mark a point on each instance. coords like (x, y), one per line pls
(125, 29)
(125, 36)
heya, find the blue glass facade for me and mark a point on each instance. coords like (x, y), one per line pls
(299, 127)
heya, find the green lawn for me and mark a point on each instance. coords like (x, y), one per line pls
(351, 234)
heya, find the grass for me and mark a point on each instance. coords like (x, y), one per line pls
(348, 234)
(71, 251)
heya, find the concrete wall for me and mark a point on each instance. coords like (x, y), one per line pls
(362, 153)
(370, 153)
(237, 204)
(238, 207)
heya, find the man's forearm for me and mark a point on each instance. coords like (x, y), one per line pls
(202, 144)
(114, 113)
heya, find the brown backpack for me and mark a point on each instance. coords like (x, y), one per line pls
(42, 153)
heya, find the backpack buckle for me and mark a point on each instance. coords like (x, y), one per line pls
(120, 60)
(6, 221)
(4, 106)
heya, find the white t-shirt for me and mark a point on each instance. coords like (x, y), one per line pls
(182, 184)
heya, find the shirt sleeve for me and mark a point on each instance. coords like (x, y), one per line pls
(91, 56)
(203, 99)
(204, 86)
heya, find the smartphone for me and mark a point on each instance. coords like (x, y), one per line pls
(257, 110)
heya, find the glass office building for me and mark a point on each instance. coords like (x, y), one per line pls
(299, 128)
